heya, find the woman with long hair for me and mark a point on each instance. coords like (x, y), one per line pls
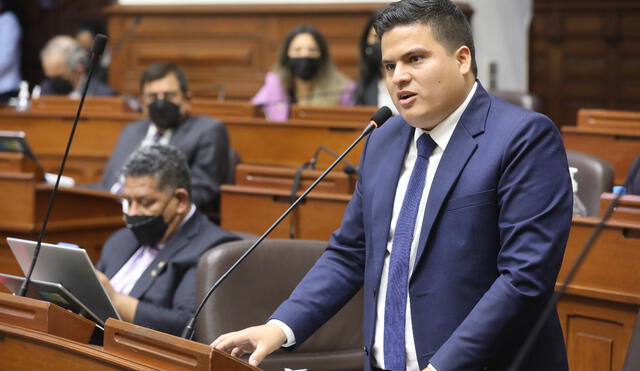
(304, 74)
(371, 90)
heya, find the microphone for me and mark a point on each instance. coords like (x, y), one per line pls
(349, 168)
(99, 44)
(573, 270)
(377, 120)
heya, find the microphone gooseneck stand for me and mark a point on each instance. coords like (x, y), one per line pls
(99, 44)
(377, 120)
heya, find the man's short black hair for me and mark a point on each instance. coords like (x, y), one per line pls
(159, 70)
(165, 163)
(446, 21)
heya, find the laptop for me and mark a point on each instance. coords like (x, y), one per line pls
(69, 267)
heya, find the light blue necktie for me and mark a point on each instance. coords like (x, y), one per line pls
(398, 278)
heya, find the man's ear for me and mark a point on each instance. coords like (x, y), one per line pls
(143, 106)
(463, 57)
(186, 102)
(184, 201)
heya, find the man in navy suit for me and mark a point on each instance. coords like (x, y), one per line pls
(150, 266)
(166, 101)
(457, 227)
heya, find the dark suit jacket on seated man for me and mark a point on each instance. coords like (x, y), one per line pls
(203, 141)
(457, 247)
(150, 266)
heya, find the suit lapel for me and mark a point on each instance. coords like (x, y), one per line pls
(177, 242)
(385, 191)
(459, 149)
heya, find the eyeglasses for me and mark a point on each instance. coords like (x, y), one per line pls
(171, 95)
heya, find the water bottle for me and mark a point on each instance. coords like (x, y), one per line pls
(23, 97)
(578, 207)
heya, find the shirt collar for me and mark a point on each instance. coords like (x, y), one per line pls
(442, 132)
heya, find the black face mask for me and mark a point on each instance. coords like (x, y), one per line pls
(60, 85)
(304, 68)
(373, 55)
(148, 229)
(165, 114)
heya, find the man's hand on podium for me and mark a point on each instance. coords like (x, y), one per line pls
(258, 340)
(125, 305)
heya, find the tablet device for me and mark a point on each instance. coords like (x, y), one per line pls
(48, 291)
(70, 267)
(16, 141)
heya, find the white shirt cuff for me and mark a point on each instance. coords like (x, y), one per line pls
(431, 368)
(291, 338)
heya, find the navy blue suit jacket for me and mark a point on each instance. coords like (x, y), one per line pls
(204, 143)
(493, 236)
(167, 288)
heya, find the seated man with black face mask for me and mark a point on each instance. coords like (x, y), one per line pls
(204, 142)
(149, 267)
(66, 64)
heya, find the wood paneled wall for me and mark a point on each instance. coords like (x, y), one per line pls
(585, 54)
(226, 47)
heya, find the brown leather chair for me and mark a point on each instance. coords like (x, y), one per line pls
(255, 289)
(521, 99)
(594, 177)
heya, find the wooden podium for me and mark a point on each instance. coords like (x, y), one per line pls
(41, 335)
(81, 216)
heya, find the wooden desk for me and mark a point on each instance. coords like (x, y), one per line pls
(262, 193)
(36, 335)
(254, 209)
(257, 140)
(611, 135)
(83, 217)
(47, 134)
(599, 309)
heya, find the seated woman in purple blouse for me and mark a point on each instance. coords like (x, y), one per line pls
(305, 75)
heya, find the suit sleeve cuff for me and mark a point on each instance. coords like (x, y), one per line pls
(291, 338)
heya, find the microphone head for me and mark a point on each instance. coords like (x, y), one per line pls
(381, 116)
(350, 169)
(99, 44)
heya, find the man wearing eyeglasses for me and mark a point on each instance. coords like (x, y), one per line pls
(165, 100)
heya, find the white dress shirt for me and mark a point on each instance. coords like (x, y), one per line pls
(441, 135)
